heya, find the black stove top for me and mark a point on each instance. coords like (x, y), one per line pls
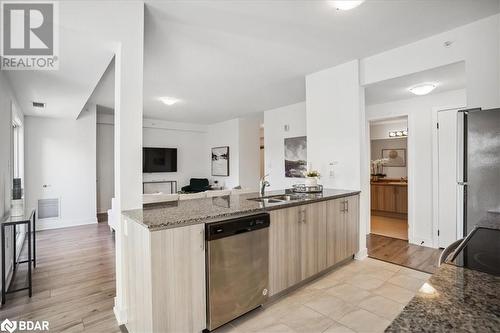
(481, 251)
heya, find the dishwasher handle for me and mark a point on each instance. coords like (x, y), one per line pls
(235, 226)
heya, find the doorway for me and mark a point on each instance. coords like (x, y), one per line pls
(389, 177)
(448, 217)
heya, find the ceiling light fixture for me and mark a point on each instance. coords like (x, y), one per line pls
(168, 100)
(346, 4)
(423, 89)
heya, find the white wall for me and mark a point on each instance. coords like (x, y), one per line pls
(477, 43)
(105, 166)
(333, 124)
(7, 102)
(335, 116)
(61, 153)
(225, 133)
(249, 148)
(191, 153)
(420, 126)
(376, 153)
(274, 139)
(189, 139)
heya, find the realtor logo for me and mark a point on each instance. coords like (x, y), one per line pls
(29, 36)
(8, 326)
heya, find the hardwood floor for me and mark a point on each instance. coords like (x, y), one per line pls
(74, 281)
(389, 227)
(402, 253)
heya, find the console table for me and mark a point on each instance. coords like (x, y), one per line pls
(173, 184)
(28, 219)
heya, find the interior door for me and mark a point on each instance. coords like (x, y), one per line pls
(447, 177)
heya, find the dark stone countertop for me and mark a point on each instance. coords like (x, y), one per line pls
(187, 212)
(455, 299)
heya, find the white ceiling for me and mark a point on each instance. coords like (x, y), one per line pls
(450, 77)
(223, 59)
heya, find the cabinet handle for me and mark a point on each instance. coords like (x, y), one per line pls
(347, 205)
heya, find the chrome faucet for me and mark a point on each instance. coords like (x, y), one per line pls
(263, 184)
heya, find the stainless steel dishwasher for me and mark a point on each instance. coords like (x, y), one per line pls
(237, 267)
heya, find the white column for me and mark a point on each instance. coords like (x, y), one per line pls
(128, 146)
(335, 112)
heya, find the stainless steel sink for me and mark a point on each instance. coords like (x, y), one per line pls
(277, 198)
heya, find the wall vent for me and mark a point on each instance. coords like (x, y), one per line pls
(48, 208)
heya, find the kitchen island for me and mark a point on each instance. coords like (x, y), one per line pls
(166, 250)
(455, 299)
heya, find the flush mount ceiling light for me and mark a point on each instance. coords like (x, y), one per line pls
(168, 100)
(423, 89)
(346, 4)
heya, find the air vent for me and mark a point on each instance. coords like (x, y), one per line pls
(38, 105)
(48, 208)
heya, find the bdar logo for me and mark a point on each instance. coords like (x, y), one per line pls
(8, 326)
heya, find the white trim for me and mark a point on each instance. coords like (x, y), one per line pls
(46, 224)
(410, 170)
(120, 313)
(435, 166)
(362, 254)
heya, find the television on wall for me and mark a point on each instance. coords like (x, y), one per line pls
(159, 160)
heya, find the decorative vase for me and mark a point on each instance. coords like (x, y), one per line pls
(311, 181)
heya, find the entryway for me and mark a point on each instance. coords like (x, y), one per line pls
(389, 178)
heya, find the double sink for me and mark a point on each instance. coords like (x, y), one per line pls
(279, 198)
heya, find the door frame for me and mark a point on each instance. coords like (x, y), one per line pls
(410, 153)
(435, 166)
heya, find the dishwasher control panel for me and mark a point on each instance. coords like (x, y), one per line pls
(236, 226)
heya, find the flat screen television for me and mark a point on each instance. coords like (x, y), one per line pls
(159, 160)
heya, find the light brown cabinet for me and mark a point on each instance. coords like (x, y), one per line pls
(389, 199)
(342, 229)
(306, 240)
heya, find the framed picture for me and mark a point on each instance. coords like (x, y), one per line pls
(395, 157)
(296, 157)
(220, 161)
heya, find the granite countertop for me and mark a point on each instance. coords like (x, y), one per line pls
(455, 299)
(187, 212)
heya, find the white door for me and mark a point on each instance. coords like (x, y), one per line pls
(447, 177)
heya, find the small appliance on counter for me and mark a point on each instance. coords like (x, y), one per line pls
(303, 188)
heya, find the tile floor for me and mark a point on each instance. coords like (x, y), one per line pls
(362, 296)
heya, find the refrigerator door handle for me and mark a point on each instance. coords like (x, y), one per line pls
(462, 147)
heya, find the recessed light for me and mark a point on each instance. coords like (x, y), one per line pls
(346, 4)
(38, 105)
(423, 89)
(168, 100)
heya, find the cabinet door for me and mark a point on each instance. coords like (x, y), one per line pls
(388, 199)
(334, 221)
(352, 225)
(284, 249)
(401, 193)
(179, 295)
(313, 239)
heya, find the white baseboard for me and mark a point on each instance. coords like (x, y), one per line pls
(120, 314)
(362, 254)
(47, 224)
(421, 241)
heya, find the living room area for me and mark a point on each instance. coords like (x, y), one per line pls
(181, 160)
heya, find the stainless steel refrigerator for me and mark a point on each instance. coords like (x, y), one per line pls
(478, 164)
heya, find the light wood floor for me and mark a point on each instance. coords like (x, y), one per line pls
(74, 281)
(402, 253)
(389, 227)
